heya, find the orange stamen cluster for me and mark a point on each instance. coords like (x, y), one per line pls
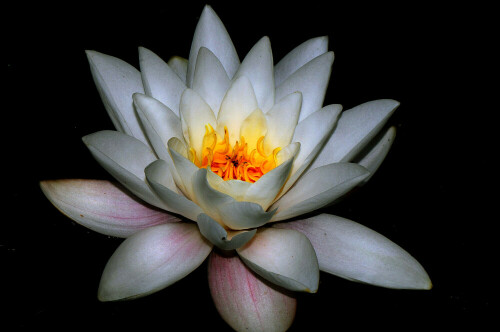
(233, 163)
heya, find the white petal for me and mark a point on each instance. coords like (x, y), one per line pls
(312, 133)
(211, 33)
(210, 79)
(116, 82)
(152, 260)
(284, 257)
(236, 106)
(159, 123)
(103, 206)
(282, 119)
(195, 115)
(246, 302)
(218, 236)
(265, 189)
(317, 188)
(352, 251)
(355, 128)
(258, 67)
(375, 154)
(174, 202)
(160, 82)
(310, 79)
(234, 188)
(184, 168)
(225, 209)
(179, 66)
(298, 57)
(125, 158)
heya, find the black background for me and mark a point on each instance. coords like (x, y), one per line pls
(424, 197)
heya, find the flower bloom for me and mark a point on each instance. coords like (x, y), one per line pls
(219, 153)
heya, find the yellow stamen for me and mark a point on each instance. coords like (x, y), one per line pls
(233, 163)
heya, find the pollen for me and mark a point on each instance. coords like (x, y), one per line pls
(233, 162)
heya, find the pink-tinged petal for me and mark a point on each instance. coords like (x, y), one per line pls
(355, 252)
(284, 257)
(245, 301)
(102, 206)
(152, 260)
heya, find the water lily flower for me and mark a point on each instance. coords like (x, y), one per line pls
(213, 152)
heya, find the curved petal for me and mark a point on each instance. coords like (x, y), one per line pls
(219, 237)
(185, 168)
(282, 119)
(246, 302)
(152, 260)
(159, 123)
(160, 82)
(375, 153)
(355, 252)
(298, 57)
(284, 257)
(210, 79)
(211, 33)
(179, 65)
(258, 67)
(312, 80)
(195, 115)
(355, 128)
(318, 188)
(225, 209)
(234, 188)
(312, 134)
(236, 106)
(156, 174)
(103, 206)
(264, 190)
(125, 158)
(116, 82)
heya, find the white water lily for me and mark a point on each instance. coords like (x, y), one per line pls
(220, 153)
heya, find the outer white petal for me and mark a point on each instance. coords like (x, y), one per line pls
(216, 234)
(318, 188)
(152, 260)
(210, 79)
(160, 81)
(355, 128)
(159, 181)
(195, 115)
(211, 33)
(103, 206)
(282, 119)
(312, 80)
(125, 158)
(116, 82)
(258, 67)
(352, 251)
(245, 301)
(298, 57)
(284, 257)
(179, 65)
(225, 209)
(376, 153)
(237, 105)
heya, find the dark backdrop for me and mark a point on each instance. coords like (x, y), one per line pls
(422, 197)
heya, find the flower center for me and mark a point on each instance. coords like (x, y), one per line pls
(236, 162)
